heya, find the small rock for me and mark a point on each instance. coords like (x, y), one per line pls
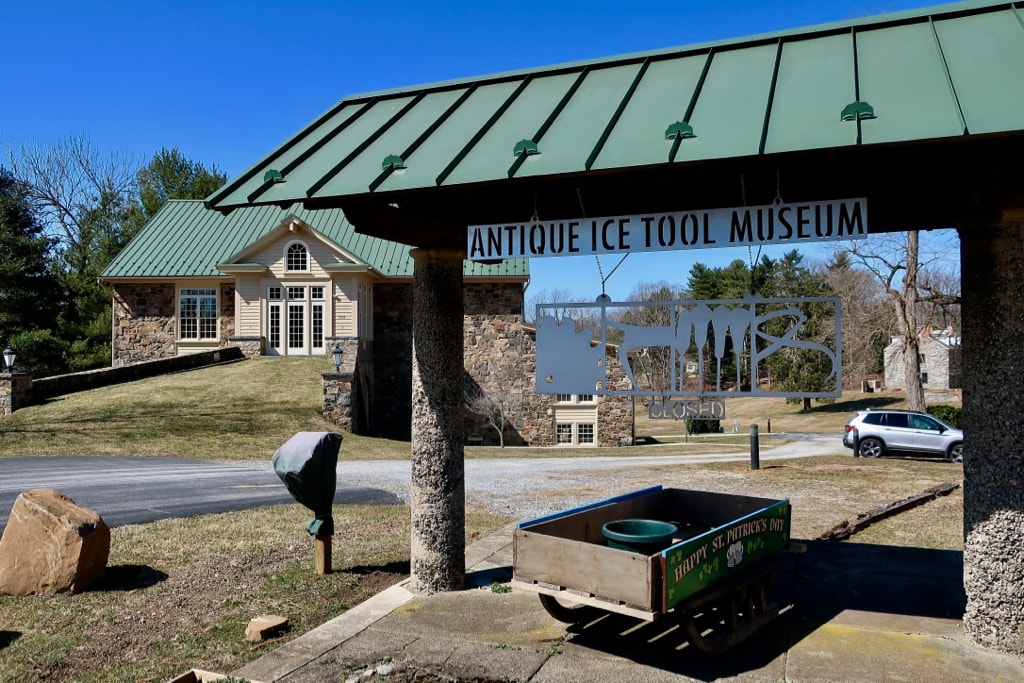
(263, 627)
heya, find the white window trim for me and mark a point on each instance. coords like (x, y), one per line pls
(284, 256)
(574, 442)
(197, 342)
(307, 300)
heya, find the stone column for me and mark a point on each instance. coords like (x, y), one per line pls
(992, 276)
(438, 549)
(15, 391)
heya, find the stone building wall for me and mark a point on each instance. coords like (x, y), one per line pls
(144, 323)
(392, 361)
(145, 326)
(942, 363)
(501, 358)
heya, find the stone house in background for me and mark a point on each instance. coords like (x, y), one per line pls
(940, 358)
(294, 282)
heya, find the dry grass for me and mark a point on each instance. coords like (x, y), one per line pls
(240, 411)
(246, 410)
(180, 592)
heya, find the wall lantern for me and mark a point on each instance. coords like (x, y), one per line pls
(9, 359)
(336, 354)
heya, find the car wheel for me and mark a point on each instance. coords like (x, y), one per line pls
(956, 453)
(870, 448)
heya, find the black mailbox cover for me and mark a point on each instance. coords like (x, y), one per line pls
(307, 464)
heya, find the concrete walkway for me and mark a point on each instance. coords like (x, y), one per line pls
(859, 613)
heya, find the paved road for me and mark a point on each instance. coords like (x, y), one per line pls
(138, 490)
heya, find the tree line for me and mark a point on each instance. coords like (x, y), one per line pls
(66, 210)
(889, 286)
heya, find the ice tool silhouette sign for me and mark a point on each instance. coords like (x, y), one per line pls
(723, 347)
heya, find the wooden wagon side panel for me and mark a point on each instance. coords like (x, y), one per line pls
(596, 570)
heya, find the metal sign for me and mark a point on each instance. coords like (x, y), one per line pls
(779, 223)
(698, 409)
(729, 342)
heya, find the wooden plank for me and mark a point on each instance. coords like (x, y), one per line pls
(593, 601)
(616, 575)
(846, 528)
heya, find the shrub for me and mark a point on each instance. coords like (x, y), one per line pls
(951, 415)
(40, 352)
(694, 426)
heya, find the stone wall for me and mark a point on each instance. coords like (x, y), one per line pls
(501, 360)
(145, 326)
(48, 387)
(346, 398)
(144, 323)
(942, 363)
(251, 347)
(392, 361)
(15, 391)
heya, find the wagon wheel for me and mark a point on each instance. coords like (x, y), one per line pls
(568, 613)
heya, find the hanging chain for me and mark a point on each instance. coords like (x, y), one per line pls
(750, 253)
(597, 259)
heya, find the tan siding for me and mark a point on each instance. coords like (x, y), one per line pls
(345, 308)
(248, 305)
(576, 414)
(273, 256)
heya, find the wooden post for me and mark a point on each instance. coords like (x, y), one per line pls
(322, 555)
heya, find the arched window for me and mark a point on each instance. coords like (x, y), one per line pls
(296, 258)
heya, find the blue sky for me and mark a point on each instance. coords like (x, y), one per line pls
(226, 82)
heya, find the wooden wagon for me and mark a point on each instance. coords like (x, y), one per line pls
(713, 575)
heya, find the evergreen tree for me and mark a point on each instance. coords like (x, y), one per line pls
(171, 175)
(28, 294)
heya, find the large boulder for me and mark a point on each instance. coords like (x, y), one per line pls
(51, 545)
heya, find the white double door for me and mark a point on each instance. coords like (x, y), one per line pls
(295, 320)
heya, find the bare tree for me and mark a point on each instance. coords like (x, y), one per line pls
(499, 409)
(865, 314)
(897, 262)
(561, 309)
(67, 182)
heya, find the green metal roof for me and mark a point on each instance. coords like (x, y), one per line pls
(951, 71)
(185, 240)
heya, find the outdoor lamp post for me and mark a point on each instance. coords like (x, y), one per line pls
(9, 359)
(335, 352)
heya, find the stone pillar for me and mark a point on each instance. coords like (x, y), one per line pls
(438, 548)
(337, 401)
(992, 276)
(15, 391)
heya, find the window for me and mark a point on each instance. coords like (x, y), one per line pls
(296, 258)
(295, 293)
(563, 433)
(574, 398)
(274, 293)
(896, 420)
(924, 378)
(585, 433)
(920, 358)
(316, 293)
(197, 313)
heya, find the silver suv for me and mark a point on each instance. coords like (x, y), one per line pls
(872, 433)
